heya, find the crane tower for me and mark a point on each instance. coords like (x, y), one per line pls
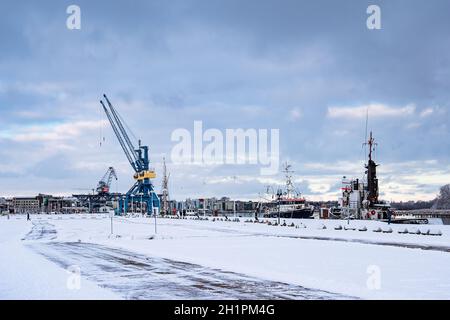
(142, 193)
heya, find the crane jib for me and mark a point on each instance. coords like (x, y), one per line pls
(119, 137)
(123, 132)
(139, 161)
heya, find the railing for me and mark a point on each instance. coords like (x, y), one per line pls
(424, 213)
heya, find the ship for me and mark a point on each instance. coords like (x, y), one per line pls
(288, 203)
(360, 197)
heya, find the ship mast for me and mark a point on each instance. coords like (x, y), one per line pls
(165, 188)
(372, 180)
(290, 189)
(371, 143)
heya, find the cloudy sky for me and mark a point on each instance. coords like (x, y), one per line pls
(308, 68)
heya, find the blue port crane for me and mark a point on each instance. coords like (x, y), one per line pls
(142, 192)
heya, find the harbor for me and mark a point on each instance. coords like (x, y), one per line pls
(143, 244)
(359, 198)
(243, 152)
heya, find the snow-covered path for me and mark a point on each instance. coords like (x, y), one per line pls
(25, 274)
(136, 276)
(41, 230)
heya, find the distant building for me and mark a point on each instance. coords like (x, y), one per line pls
(51, 204)
(214, 206)
(44, 203)
(3, 205)
(25, 205)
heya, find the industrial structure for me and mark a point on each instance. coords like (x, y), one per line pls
(165, 190)
(104, 184)
(101, 198)
(141, 195)
(42, 203)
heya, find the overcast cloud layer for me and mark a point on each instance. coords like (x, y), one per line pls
(308, 68)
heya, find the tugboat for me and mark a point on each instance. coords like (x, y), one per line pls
(360, 198)
(288, 204)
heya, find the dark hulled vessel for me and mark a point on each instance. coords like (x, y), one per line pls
(289, 204)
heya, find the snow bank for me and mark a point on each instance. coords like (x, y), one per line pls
(27, 275)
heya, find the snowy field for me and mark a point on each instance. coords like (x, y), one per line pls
(198, 259)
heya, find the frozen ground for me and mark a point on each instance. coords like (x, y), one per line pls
(27, 275)
(191, 259)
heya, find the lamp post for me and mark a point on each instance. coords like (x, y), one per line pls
(117, 206)
(279, 194)
(234, 201)
(154, 212)
(111, 214)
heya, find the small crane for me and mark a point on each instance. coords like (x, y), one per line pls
(104, 184)
(142, 190)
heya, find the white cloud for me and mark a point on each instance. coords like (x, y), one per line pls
(341, 167)
(319, 187)
(376, 110)
(48, 89)
(413, 125)
(51, 133)
(399, 181)
(427, 112)
(295, 114)
(340, 133)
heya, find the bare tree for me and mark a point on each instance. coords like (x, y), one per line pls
(443, 199)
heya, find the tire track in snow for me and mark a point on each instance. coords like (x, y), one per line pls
(136, 276)
(41, 230)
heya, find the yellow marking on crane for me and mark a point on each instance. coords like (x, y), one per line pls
(145, 175)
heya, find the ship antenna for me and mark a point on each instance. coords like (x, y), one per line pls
(288, 174)
(371, 143)
(367, 124)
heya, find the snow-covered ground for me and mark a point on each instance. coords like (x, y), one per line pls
(192, 259)
(28, 275)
